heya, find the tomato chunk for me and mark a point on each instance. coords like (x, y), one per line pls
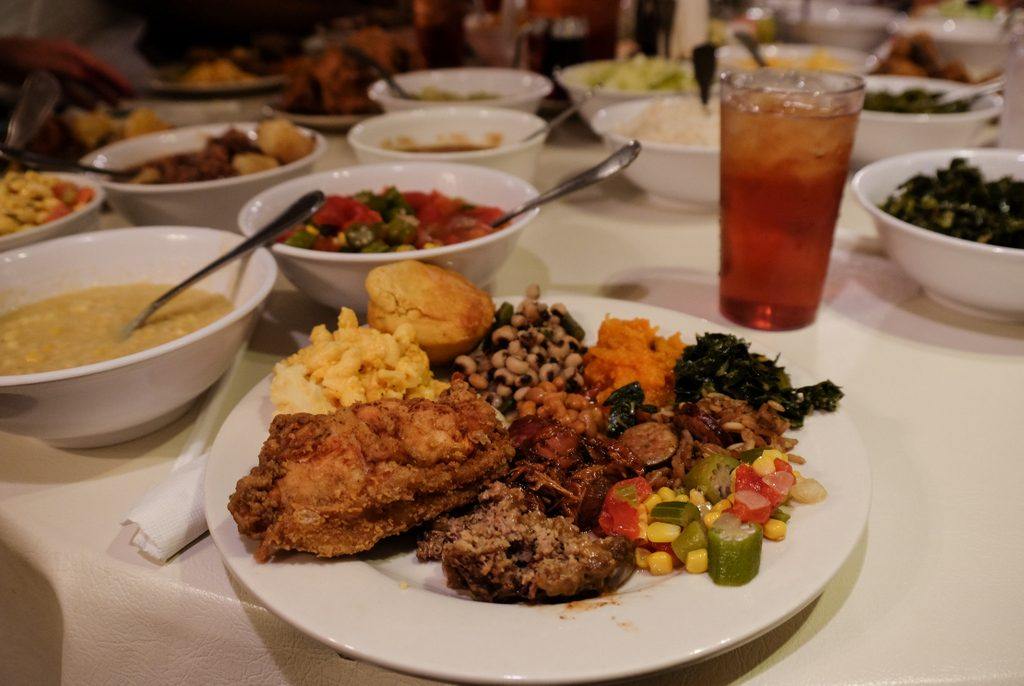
(751, 506)
(620, 515)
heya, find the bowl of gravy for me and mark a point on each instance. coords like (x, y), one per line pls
(487, 137)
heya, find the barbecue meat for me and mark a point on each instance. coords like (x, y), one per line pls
(507, 549)
(568, 471)
(336, 484)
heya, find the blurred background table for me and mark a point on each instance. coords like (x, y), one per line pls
(935, 395)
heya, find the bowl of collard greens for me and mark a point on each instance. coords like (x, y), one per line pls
(954, 221)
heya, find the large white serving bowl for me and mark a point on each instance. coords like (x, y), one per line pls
(853, 61)
(669, 171)
(116, 400)
(200, 203)
(572, 80)
(516, 89)
(885, 134)
(983, 280)
(980, 44)
(336, 278)
(836, 24)
(86, 218)
(427, 126)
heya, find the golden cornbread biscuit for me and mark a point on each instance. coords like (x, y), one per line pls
(449, 314)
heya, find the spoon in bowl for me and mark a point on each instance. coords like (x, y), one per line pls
(376, 67)
(39, 95)
(972, 92)
(298, 212)
(609, 167)
(34, 160)
(557, 120)
(752, 46)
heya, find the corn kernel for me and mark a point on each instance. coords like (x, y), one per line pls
(662, 532)
(641, 557)
(659, 563)
(722, 505)
(666, 493)
(681, 498)
(775, 530)
(711, 517)
(696, 497)
(652, 500)
(697, 561)
(765, 464)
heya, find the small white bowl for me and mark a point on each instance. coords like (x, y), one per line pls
(983, 280)
(884, 134)
(336, 278)
(980, 44)
(571, 79)
(200, 203)
(667, 171)
(853, 61)
(516, 89)
(427, 126)
(86, 218)
(120, 399)
(837, 24)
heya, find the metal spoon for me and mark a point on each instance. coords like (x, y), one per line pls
(298, 212)
(35, 160)
(752, 46)
(557, 120)
(367, 61)
(612, 165)
(39, 95)
(972, 92)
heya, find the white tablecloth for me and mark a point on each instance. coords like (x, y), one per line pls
(931, 594)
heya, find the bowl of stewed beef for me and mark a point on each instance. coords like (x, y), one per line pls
(203, 175)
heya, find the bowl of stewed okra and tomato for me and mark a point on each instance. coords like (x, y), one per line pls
(378, 214)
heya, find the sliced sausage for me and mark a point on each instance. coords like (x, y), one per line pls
(652, 442)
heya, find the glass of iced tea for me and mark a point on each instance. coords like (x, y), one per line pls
(786, 139)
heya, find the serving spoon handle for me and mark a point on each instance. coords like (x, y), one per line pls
(378, 68)
(557, 120)
(34, 160)
(39, 95)
(296, 213)
(609, 167)
(972, 92)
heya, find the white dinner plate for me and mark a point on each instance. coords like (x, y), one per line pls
(320, 122)
(227, 88)
(387, 608)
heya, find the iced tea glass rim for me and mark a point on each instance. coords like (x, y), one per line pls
(730, 78)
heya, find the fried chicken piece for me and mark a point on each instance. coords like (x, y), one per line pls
(507, 549)
(338, 483)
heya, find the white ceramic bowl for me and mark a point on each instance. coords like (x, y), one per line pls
(201, 203)
(980, 44)
(853, 61)
(884, 134)
(984, 280)
(836, 24)
(516, 89)
(427, 126)
(116, 400)
(336, 279)
(668, 171)
(571, 79)
(85, 219)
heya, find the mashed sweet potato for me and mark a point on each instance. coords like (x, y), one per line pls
(631, 350)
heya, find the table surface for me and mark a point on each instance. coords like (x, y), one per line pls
(932, 592)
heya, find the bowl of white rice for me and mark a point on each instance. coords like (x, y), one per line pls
(680, 137)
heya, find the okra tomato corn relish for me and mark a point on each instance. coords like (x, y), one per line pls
(694, 477)
(392, 221)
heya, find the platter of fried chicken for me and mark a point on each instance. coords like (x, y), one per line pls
(540, 489)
